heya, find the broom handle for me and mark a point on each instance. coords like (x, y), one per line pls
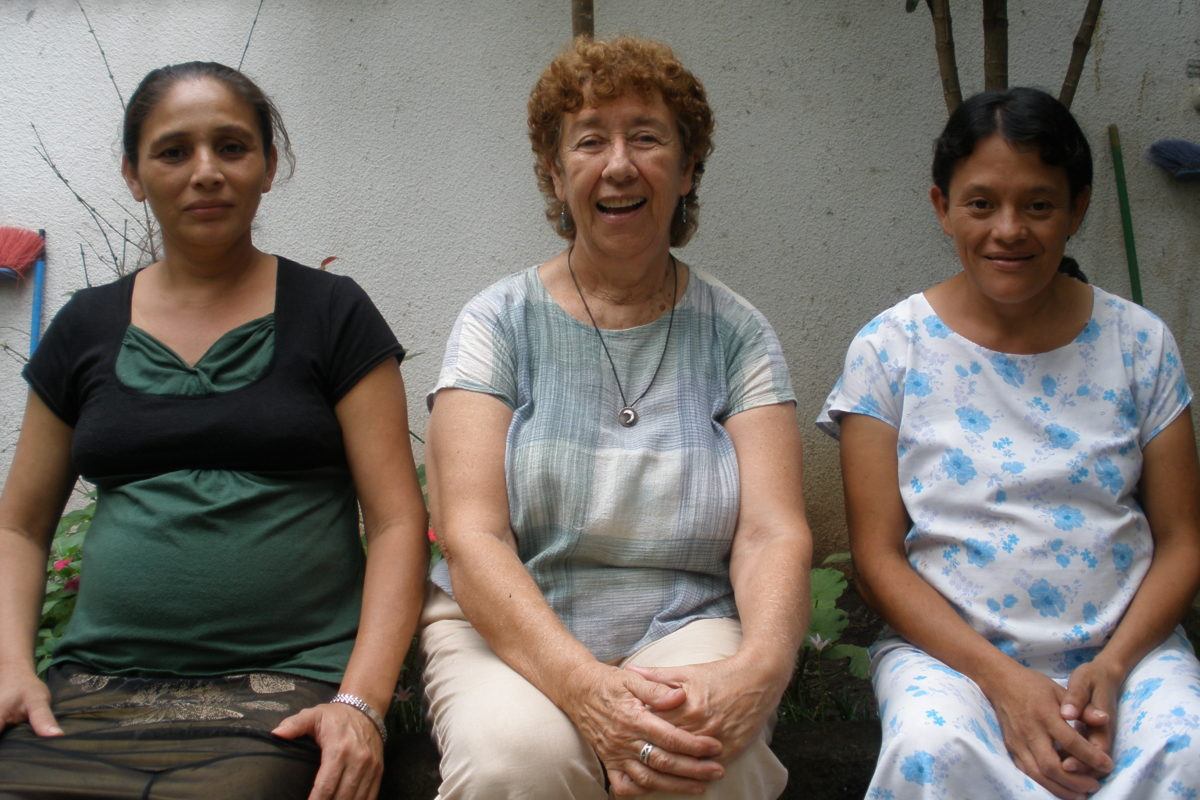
(1135, 281)
(39, 291)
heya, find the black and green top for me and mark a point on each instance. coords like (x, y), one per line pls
(226, 530)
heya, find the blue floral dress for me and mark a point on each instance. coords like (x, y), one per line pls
(1019, 473)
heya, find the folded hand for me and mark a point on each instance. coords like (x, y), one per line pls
(618, 712)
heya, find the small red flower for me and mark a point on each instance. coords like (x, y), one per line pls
(62, 564)
(432, 536)
(73, 584)
(325, 262)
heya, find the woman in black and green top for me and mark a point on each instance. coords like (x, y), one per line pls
(234, 410)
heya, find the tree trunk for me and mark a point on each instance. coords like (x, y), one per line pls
(582, 19)
(1079, 51)
(995, 45)
(944, 41)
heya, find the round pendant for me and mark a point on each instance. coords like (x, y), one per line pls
(628, 417)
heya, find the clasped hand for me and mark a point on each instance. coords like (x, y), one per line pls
(697, 717)
(1039, 719)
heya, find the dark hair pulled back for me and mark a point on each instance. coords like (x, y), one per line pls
(150, 92)
(1024, 117)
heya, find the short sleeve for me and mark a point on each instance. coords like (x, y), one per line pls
(1163, 390)
(756, 370)
(360, 337)
(53, 370)
(872, 379)
(481, 352)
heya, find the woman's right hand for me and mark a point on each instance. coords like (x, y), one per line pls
(24, 698)
(616, 711)
(1028, 707)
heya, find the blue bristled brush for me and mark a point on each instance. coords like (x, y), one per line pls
(1179, 157)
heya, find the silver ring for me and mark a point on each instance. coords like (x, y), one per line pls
(644, 756)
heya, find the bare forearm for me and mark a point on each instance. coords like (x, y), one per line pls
(1160, 603)
(392, 593)
(771, 589)
(920, 614)
(22, 585)
(507, 608)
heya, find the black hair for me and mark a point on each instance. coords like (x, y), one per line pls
(159, 81)
(1026, 117)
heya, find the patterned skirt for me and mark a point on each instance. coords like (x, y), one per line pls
(165, 739)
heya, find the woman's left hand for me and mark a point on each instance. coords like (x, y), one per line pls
(728, 700)
(351, 750)
(1091, 700)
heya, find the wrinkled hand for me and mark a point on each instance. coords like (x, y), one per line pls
(1091, 702)
(727, 699)
(617, 710)
(24, 698)
(351, 750)
(1028, 706)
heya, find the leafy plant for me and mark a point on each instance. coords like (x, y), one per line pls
(63, 569)
(830, 680)
(828, 621)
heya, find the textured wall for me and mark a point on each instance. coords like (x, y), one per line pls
(408, 123)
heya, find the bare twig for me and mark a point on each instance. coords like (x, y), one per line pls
(943, 30)
(995, 45)
(1079, 51)
(150, 232)
(97, 217)
(103, 56)
(87, 279)
(13, 353)
(250, 34)
(583, 18)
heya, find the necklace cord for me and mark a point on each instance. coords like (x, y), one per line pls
(670, 323)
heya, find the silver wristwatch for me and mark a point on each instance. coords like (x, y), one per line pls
(354, 701)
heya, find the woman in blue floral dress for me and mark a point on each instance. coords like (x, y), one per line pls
(1041, 539)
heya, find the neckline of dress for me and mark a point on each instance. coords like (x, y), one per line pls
(1069, 343)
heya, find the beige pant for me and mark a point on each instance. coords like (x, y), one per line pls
(502, 738)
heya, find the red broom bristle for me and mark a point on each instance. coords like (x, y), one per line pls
(19, 248)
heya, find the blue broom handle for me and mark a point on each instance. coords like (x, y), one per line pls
(39, 292)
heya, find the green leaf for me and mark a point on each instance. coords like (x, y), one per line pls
(911, 5)
(843, 557)
(827, 586)
(828, 623)
(860, 661)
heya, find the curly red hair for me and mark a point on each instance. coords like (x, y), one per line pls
(589, 73)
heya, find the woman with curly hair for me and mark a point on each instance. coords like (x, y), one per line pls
(615, 478)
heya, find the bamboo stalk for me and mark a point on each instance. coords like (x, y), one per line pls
(944, 42)
(1131, 261)
(1079, 51)
(583, 19)
(995, 45)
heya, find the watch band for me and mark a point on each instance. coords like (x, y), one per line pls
(354, 701)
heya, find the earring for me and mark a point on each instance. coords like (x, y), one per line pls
(683, 212)
(565, 223)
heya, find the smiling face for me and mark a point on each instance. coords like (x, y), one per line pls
(621, 171)
(201, 165)
(1010, 216)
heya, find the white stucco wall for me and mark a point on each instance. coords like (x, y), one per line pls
(408, 122)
